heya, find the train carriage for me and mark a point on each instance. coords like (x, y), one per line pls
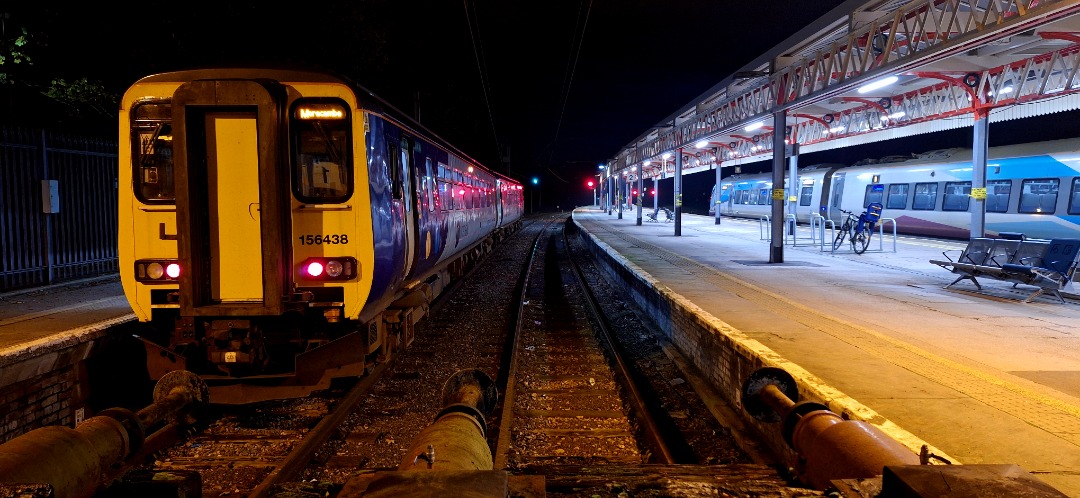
(289, 225)
(1032, 189)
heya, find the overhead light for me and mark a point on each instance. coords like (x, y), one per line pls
(666, 155)
(702, 144)
(754, 126)
(882, 83)
(647, 163)
(836, 129)
(895, 115)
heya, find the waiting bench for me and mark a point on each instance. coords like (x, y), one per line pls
(1046, 264)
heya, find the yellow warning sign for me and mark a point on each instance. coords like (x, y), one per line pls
(978, 193)
(778, 194)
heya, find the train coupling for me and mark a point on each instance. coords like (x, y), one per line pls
(848, 457)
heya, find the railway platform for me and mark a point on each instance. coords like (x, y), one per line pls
(980, 377)
(37, 322)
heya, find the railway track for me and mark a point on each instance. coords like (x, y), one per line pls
(568, 397)
(585, 389)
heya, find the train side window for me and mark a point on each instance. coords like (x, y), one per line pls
(446, 199)
(874, 193)
(1039, 195)
(997, 195)
(321, 161)
(1074, 199)
(806, 195)
(925, 196)
(957, 196)
(446, 195)
(152, 152)
(898, 196)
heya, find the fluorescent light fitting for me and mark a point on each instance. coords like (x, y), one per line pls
(754, 126)
(882, 83)
(702, 144)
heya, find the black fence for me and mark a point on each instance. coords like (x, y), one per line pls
(58, 196)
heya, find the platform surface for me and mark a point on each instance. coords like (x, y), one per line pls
(979, 375)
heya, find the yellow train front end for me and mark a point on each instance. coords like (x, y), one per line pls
(245, 237)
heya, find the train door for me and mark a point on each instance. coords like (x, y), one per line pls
(835, 196)
(401, 171)
(230, 196)
(499, 186)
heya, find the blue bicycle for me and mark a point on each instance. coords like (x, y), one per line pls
(858, 228)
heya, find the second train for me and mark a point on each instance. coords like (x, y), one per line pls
(1031, 188)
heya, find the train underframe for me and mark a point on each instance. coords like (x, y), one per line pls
(255, 358)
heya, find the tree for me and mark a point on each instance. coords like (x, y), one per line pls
(34, 96)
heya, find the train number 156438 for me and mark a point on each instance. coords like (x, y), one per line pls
(314, 240)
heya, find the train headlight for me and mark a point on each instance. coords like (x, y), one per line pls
(329, 268)
(157, 271)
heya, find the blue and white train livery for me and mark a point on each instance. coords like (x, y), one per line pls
(1031, 188)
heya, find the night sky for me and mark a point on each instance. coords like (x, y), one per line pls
(555, 87)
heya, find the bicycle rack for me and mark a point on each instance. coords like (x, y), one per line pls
(880, 238)
(816, 223)
(766, 232)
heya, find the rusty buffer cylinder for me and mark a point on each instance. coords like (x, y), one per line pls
(828, 446)
(834, 448)
(73, 461)
(457, 439)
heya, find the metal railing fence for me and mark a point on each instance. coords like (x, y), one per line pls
(58, 202)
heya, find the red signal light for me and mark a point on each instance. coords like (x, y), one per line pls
(590, 184)
(635, 191)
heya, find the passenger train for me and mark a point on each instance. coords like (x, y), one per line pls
(1031, 188)
(286, 227)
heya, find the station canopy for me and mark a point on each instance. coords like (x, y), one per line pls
(936, 64)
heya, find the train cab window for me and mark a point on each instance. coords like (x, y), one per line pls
(898, 196)
(874, 193)
(806, 195)
(1074, 199)
(1039, 196)
(321, 161)
(957, 196)
(997, 195)
(925, 196)
(152, 152)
